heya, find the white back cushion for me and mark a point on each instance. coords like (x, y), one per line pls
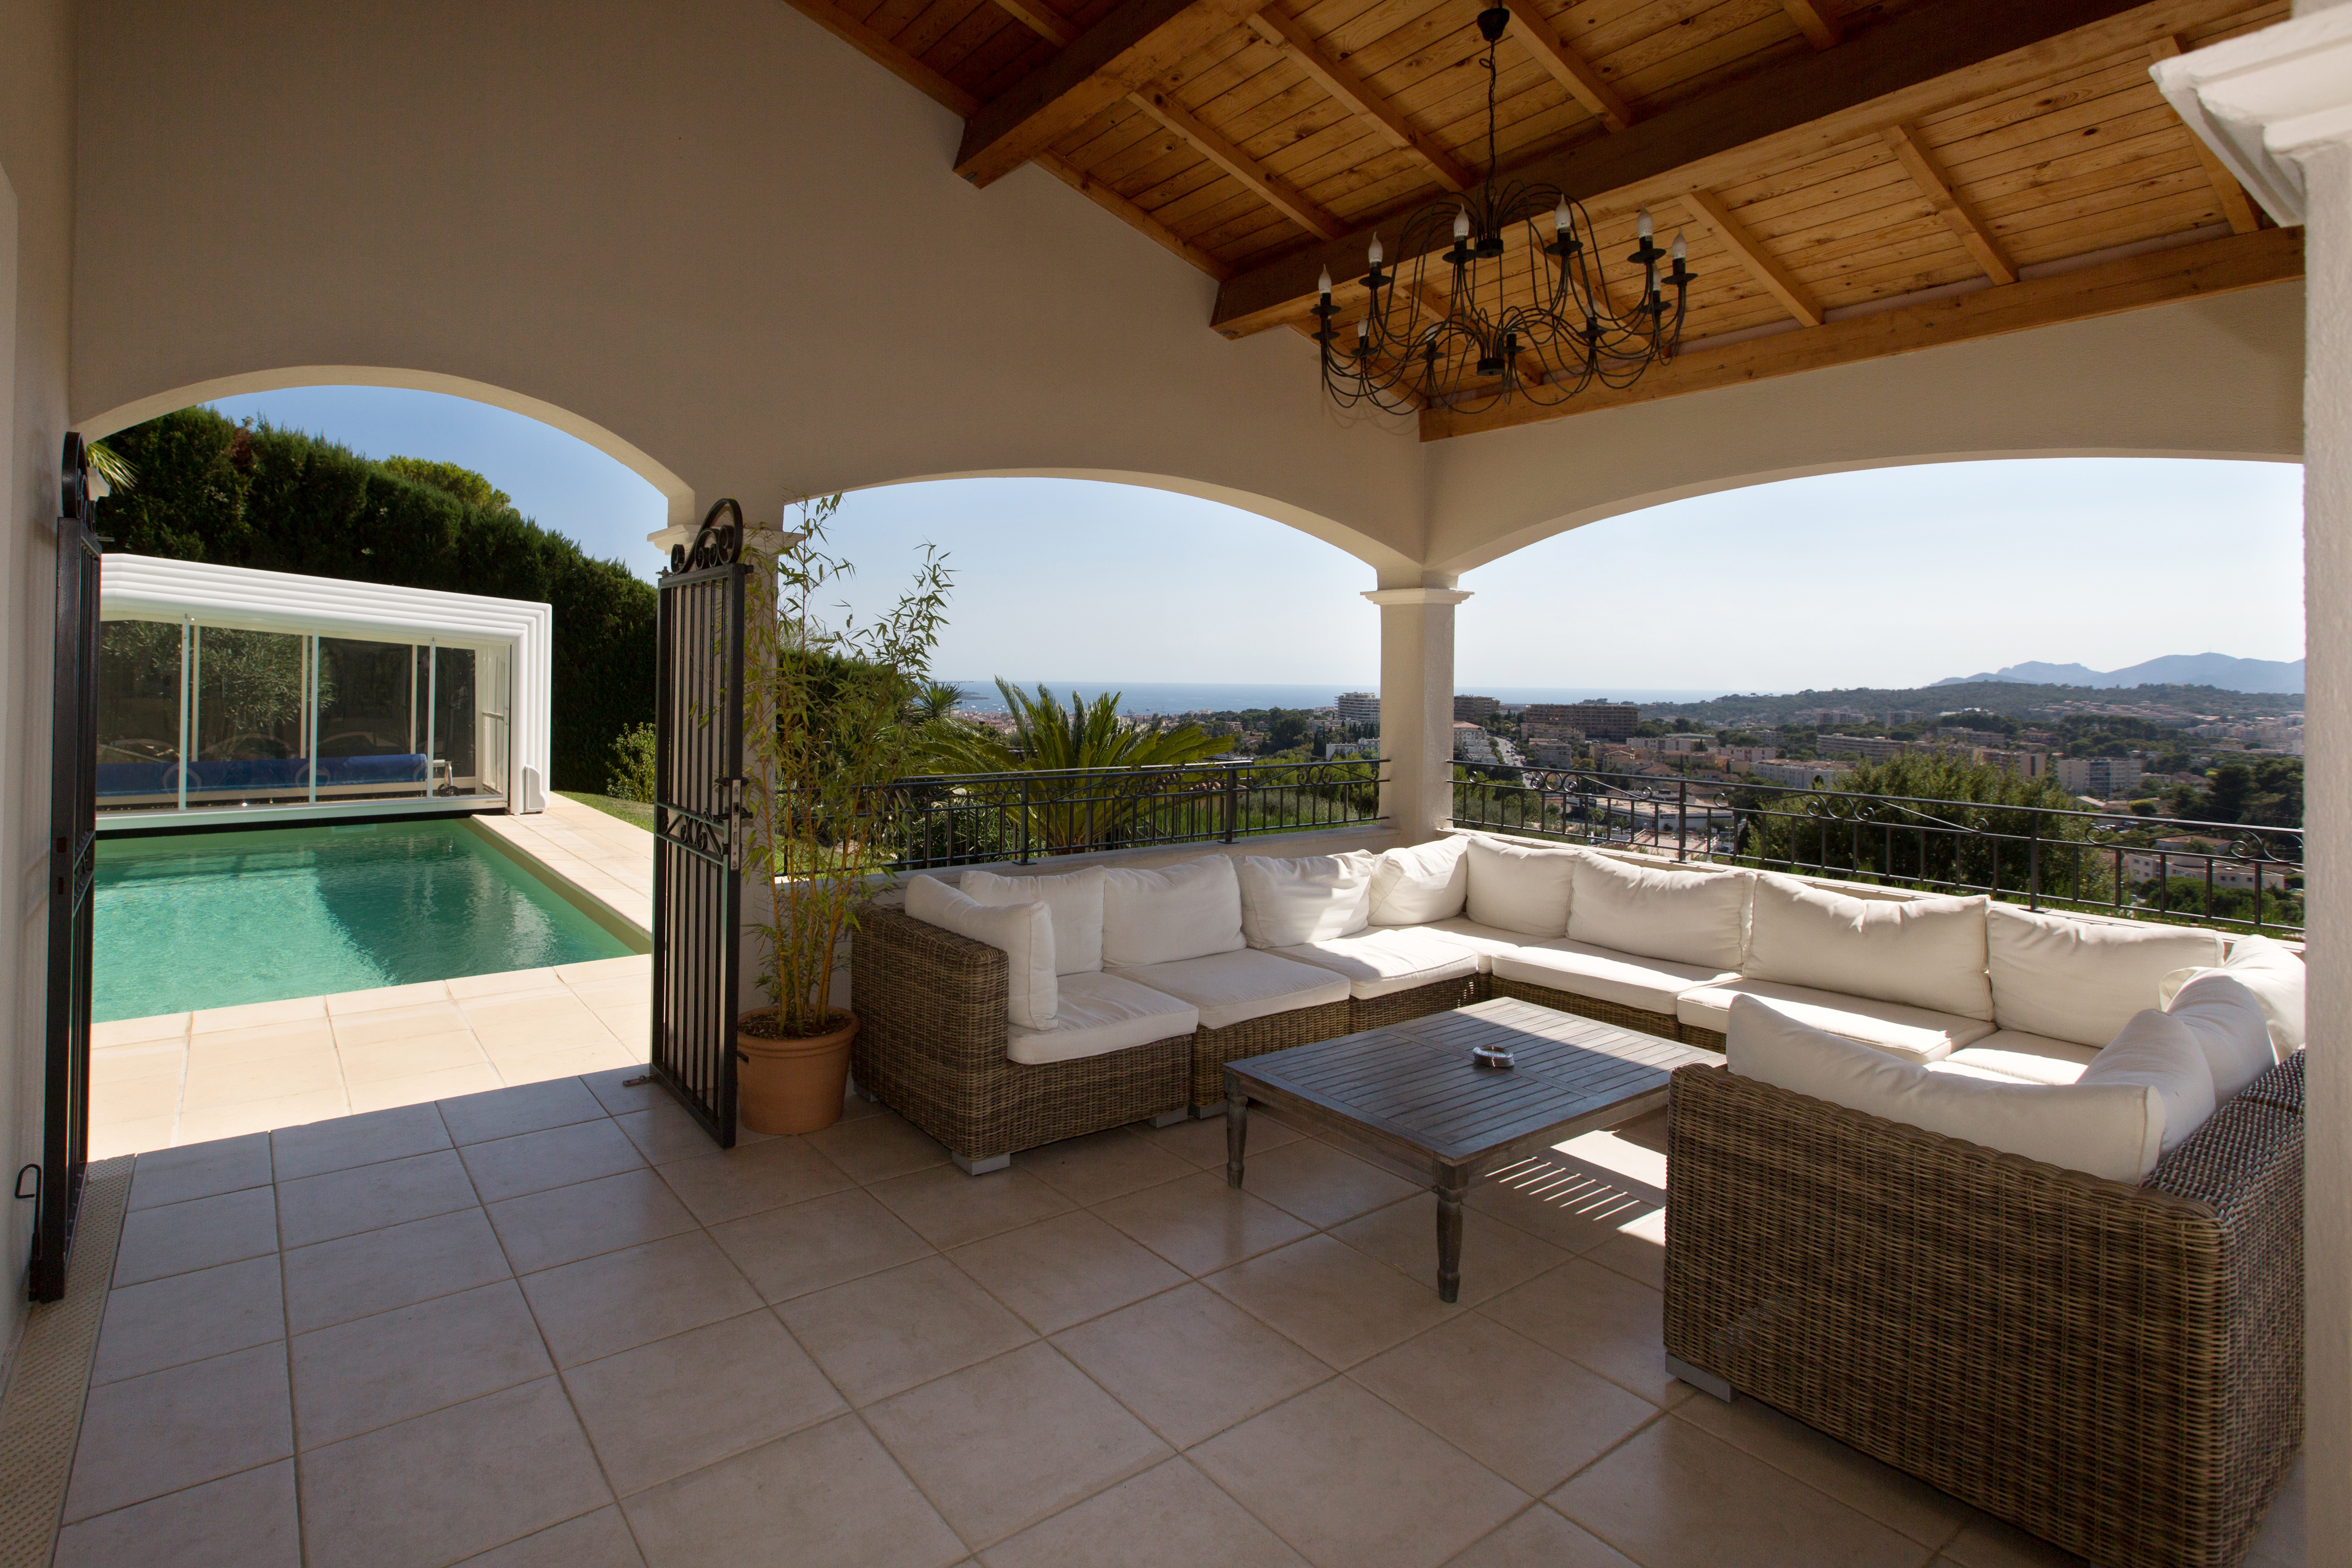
(1417, 884)
(1186, 911)
(1074, 899)
(2274, 972)
(2073, 980)
(1657, 912)
(2227, 1019)
(1515, 888)
(1927, 953)
(2161, 1052)
(2114, 1130)
(1313, 898)
(1024, 932)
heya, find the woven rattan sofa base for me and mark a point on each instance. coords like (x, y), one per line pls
(2118, 1369)
(1639, 1020)
(1420, 1002)
(930, 1045)
(1212, 1047)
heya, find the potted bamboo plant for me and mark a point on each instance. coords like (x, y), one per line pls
(827, 729)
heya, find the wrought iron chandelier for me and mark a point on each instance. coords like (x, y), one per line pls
(1417, 347)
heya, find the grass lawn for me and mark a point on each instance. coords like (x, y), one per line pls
(639, 813)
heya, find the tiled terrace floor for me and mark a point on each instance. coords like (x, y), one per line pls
(550, 1325)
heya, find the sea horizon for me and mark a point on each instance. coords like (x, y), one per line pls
(1219, 696)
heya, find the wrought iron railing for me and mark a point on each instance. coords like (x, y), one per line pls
(2160, 868)
(959, 818)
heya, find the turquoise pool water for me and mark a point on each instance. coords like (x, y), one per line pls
(212, 920)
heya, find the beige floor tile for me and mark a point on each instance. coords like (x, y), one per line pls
(189, 1316)
(655, 1123)
(1599, 1320)
(259, 1042)
(244, 1520)
(1319, 1184)
(830, 1494)
(1532, 1417)
(510, 983)
(1066, 1270)
(565, 1224)
(1200, 1224)
(175, 1176)
(604, 971)
(1170, 1516)
(352, 1140)
(199, 1234)
(250, 1015)
(678, 1404)
(148, 1436)
(358, 1276)
(1494, 1256)
(1190, 1363)
(136, 1136)
(1000, 1445)
(1638, 1251)
(1202, 1142)
(889, 1332)
(540, 1066)
(1332, 1299)
(1987, 1542)
(381, 999)
(876, 1148)
(618, 1100)
(422, 1088)
(521, 1026)
(825, 1241)
(262, 1115)
(410, 1058)
(371, 1372)
(1345, 1480)
(137, 1062)
(630, 991)
(1571, 1209)
(1102, 1165)
(1855, 1479)
(131, 1031)
(445, 1485)
(750, 1178)
(369, 1197)
(555, 1157)
(1673, 1494)
(1541, 1538)
(135, 1098)
(509, 1112)
(947, 1209)
(598, 1539)
(614, 1301)
(214, 1085)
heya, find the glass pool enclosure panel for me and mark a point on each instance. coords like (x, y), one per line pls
(195, 718)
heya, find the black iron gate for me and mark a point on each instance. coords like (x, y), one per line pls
(697, 820)
(73, 865)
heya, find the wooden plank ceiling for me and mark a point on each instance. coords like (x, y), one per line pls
(1829, 160)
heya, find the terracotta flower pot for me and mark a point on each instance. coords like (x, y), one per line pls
(792, 1085)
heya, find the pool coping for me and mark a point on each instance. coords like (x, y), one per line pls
(614, 922)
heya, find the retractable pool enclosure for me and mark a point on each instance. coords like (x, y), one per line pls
(269, 697)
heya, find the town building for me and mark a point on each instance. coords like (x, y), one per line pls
(1594, 720)
(1359, 708)
(1798, 775)
(2098, 777)
(1472, 744)
(1870, 748)
(1477, 710)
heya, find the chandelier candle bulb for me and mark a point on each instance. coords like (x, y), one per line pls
(1462, 224)
(1373, 254)
(1681, 250)
(1561, 220)
(1323, 285)
(1643, 227)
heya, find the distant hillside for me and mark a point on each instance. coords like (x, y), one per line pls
(2218, 670)
(2165, 704)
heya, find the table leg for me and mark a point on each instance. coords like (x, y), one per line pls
(1237, 1134)
(1452, 1182)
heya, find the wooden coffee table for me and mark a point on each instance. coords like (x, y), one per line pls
(1411, 1088)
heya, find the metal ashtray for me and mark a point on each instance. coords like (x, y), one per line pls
(1496, 1057)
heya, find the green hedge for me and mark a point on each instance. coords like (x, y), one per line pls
(211, 490)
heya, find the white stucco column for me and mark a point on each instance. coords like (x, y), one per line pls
(1417, 707)
(2277, 105)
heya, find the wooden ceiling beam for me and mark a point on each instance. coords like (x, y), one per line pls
(1583, 80)
(1709, 212)
(1048, 25)
(1821, 25)
(1134, 44)
(1268, 186)
(1949, 206)
(2236, 206)
(1358, 95)
(1933, 55)
(2222, 265)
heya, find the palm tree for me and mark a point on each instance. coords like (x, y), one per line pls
(933, 703)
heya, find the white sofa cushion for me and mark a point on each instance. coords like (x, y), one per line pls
(2272, 971)
(2162, 1053)
(1916, 1034)
(1075, 898)
(1603, 974)
(1923, 953)
(1185, 911)
(2077, 980)
(1660, 912)
(2114, 1130)
(1413, 885)
(1234, 988)
(2228, 1020)
(1387, 959)
(1516, 888)
(1022, 932)
(1311, 899)
(1486, 941)
(1102, 1013)
(2026, 1058)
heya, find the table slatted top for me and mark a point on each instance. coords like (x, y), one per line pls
(1416, 1079)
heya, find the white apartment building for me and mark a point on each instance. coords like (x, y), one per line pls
(1359, 707)
(1799, 775)
(2102, 777)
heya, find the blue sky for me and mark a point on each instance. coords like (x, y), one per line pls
(1889, 578)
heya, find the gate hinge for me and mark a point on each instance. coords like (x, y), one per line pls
(738, 818)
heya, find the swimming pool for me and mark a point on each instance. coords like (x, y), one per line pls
(212, 920)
